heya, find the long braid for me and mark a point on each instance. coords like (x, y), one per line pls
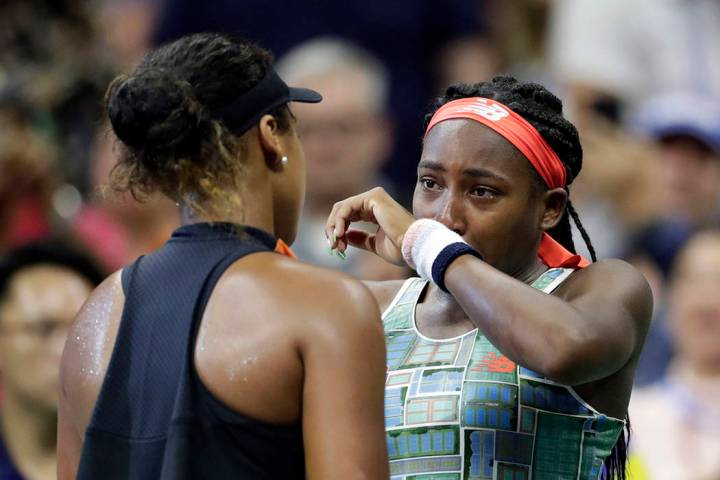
(562, 232)
(616, 462)
(579, 225)
(543, 110)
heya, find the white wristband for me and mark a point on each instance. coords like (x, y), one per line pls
(423, 242)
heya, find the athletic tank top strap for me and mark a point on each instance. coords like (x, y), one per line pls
(154, 418)
(551, 279)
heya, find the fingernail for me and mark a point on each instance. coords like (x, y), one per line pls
(342, 255)
(330, 251)
(334, 236)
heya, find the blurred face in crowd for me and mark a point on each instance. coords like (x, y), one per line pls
(346, 137)
(687, 174)
(695, 303)
(35, 316)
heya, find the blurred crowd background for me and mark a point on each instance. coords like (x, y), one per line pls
(639, 78)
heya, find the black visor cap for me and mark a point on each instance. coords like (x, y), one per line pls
(271, 92)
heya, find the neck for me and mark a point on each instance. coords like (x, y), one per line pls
(259, 216)
(30, 435)
(530, 272)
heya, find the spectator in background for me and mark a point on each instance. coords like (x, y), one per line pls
(684, 175)
(35, 202)
(676, 422)
(54, 65)
(608, 58)
(127, 27)
(686, 170)
(347, 140)
(417, 40)
(56, 58)
(517, 31)
(42, 286)
(27, 183)
(615, 53)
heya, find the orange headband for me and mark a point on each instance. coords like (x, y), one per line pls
(513, 127)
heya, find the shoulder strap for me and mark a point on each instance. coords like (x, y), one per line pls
(127, 274)
(409, 293)
(551, 279)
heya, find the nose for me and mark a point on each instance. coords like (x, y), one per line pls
(452, 213)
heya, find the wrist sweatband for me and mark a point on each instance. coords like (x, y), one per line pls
(430, 247)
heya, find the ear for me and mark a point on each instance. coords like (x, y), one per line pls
(270, 142)
(554, 202)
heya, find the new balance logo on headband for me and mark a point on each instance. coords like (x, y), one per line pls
(492, 112)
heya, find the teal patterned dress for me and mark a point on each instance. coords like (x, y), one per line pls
(457, 408)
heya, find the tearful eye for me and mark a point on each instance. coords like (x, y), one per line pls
(484, 192)
(429, 184)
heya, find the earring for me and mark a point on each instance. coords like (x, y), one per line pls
(284, 160)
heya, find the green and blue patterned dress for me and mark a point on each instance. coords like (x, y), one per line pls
(457, 408)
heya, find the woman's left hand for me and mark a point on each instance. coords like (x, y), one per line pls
(377, 207)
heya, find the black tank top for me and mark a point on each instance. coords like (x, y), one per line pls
(154, 419)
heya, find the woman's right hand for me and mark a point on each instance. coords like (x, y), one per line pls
(377, 207)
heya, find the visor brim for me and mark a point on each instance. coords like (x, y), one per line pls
(304, 95)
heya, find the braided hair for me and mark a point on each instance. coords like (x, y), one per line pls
(543, 110)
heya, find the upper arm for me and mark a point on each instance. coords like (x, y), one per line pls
(82, 369)
(69, 442)
(617, 303)
(343, 356)
(69, 437)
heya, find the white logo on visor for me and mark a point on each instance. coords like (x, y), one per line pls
(493, 112)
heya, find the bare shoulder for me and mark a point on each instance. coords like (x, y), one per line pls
(89, 346)
(385, 291)
(314, 295)
(614, 282)
(99, 311)
(611, 274)
(95, 316)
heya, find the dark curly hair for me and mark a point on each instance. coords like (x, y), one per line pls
(162, 114)
(543, 110)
